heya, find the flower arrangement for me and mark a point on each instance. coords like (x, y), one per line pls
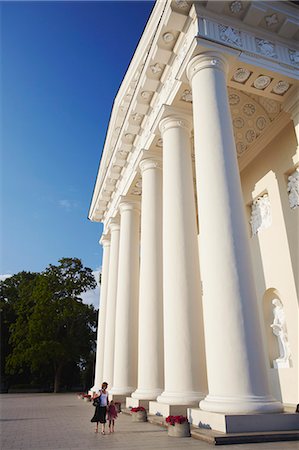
(172, 420)
(137, 409)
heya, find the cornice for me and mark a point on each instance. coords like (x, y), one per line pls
(176, 32)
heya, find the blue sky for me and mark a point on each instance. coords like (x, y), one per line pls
(62, 64)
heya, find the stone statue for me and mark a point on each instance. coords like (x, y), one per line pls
(279, 329)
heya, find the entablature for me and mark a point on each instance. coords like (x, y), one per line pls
(263, 62)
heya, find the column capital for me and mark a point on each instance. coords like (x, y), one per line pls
(113, 224)
(129, 205)
(150, 163)
(105, 240)
(175, 121)
(211, 60)
(291, 106)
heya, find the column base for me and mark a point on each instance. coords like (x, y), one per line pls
(117, 398)
(245, 405)
(243, 423)
(125, 391)
(180, 398)
(147, 394)
(135, 402)
(164, 410)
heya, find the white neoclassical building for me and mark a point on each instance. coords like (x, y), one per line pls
(198, 192)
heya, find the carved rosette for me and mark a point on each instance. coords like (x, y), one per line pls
(293, 189)
(261, 217)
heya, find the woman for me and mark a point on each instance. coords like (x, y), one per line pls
(101, 400)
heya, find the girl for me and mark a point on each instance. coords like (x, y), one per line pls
(101, 400)
(111, 415)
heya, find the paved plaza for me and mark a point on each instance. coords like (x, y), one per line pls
(61, 421)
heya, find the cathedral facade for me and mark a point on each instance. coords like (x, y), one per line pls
(198, 192)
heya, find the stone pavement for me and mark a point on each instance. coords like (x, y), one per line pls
(61, 421)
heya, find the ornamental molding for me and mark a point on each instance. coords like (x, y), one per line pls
(155, 76)
(274, 49)
(207, 60)
(128, 204)
(150, 163)
(175, 122)
(105, 240)
(113, 225)
(293, 189)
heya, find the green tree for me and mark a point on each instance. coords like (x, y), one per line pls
(54, 327)
(10, 290)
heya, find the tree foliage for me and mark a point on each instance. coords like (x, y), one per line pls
(53, 328)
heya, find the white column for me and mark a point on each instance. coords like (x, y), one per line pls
(111, 303)
(98, 378)
(150, 336)
(292, 107)
(236, 362)
(126, 322)
(183, 337)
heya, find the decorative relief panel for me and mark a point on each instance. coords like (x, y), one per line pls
(182, 4)
(294, 56)
(230, 35)
(271, 20)
(293, 189)
(241, 75)
(266, 48)
(236, 7)
(281, 87)
(156, 68)
(251, 114)
(168, 37)
(187, 96)
(262, 82)
(261, 217)
(252, 45)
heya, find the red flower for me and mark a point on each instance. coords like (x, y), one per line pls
(172, 420)
(139, 408)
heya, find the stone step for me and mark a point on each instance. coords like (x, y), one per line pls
(218, 438)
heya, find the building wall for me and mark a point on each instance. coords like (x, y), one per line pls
(275, 254)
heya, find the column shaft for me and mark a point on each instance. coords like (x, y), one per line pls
(150, 337)
(126, 333)
(183, 336)
(102, 315)
(111, 304)
(236, 367)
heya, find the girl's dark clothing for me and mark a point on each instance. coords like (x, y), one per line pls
(100, 414)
